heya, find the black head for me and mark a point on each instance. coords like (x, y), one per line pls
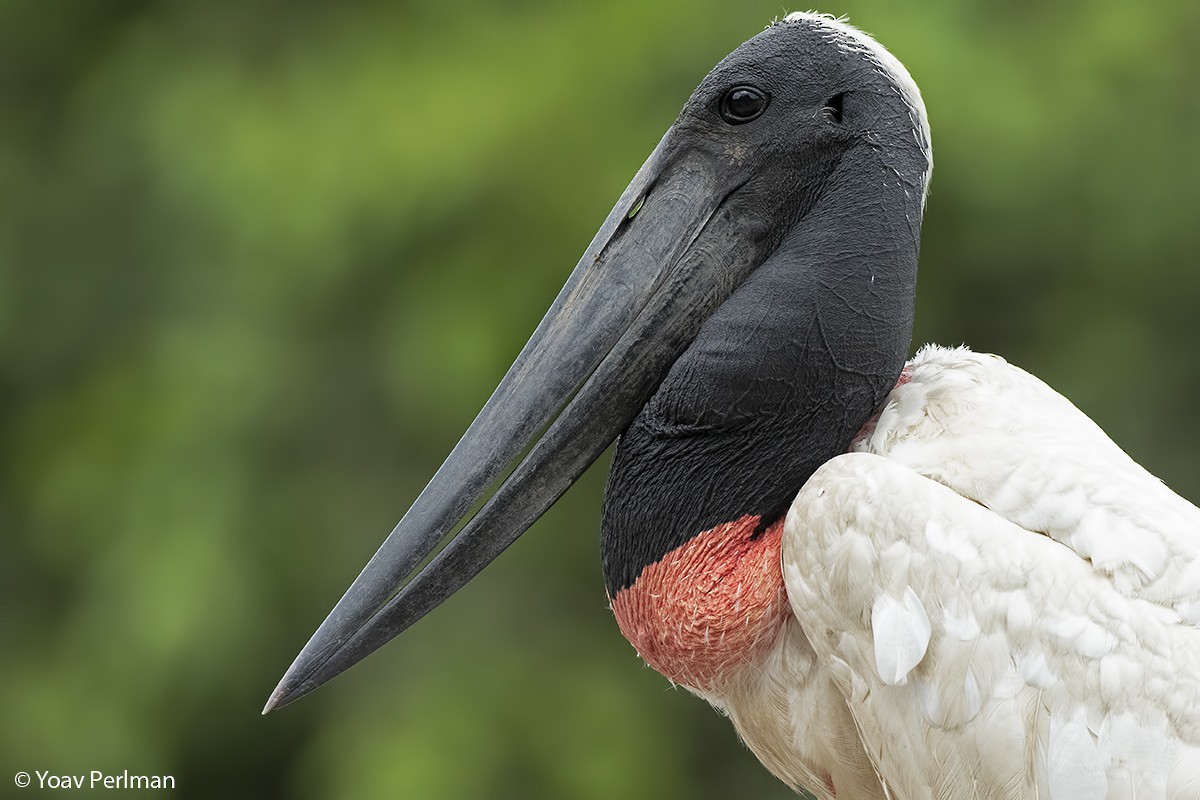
(787, 106)
(767, 247)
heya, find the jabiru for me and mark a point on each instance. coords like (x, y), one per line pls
(974, 592)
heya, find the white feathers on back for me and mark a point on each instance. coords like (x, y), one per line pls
(999, 436)
(1003, 599)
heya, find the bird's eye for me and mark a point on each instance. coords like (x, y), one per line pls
(743, 103)
(833, 108)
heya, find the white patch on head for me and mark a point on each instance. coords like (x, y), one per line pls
(852, 40)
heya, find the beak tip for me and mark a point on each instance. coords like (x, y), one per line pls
(279, 698)
(289, 690)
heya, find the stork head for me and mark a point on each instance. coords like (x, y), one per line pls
(748, 301)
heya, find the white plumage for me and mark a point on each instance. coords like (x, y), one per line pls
(991, 600)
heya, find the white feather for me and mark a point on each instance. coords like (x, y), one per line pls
(1074, 770)
(901, 633)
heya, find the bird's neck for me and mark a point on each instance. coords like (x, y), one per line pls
(779, 380)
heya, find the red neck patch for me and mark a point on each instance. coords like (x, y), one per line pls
(709, 606)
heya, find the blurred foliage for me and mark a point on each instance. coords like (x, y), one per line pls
(260, 263)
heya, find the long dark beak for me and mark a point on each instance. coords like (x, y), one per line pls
(665, 258)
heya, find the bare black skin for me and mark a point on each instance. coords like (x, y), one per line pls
(740, 314)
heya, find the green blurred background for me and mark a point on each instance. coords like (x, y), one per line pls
(260, 264)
